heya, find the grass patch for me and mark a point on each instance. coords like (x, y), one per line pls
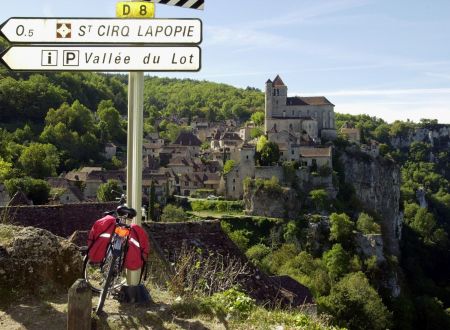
(7, 234)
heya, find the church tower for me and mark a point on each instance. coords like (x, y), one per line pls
(276, 99)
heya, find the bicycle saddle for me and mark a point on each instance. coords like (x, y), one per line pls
(128, 211)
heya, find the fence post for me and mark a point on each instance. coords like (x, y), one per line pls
(79, 306)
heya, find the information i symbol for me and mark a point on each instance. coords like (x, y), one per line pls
(49, 58)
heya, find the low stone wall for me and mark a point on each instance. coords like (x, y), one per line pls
(61, 220)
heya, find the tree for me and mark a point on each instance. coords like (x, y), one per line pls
(258, 118)
(152, 202)
(110, 125)
(5, 170)
(367, 225)
(419, 151)
(319, 197)
(229, 164)
(269, 154)
(172, 213)
(109, 191)
(341, 228)
(39, 160)
(35, 189)
(356, 305)
(337, 261)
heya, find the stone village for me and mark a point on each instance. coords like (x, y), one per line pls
(195, 160)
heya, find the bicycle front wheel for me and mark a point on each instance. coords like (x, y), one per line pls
(110, 269)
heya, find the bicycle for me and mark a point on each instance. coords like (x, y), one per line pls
(109, 275)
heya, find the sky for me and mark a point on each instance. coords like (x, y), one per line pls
(385, 58)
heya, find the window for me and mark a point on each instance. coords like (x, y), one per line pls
(186, 184)
(292, 151)
(234, 180)
(234, 188)
(246, 156)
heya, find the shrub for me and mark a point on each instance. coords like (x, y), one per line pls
(355, 304)
(240, 238)
(232, 303)
(217, 206)
(172, 213)
(257, 253)
(337, 261)
(341, 228)
(367, 225)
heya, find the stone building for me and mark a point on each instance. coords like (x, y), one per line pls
(313, 115)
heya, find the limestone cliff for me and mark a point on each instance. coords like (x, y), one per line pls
(282, 203)
(377, 186)
(437, 135)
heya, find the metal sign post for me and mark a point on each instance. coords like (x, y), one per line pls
(135, 135)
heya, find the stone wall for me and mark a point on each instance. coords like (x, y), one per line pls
(267, 172)
(61, 220)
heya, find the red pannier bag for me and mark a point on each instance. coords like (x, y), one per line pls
(138, 248)
(99, 238)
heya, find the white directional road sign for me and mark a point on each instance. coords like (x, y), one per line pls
(102, 30)
(103, 59)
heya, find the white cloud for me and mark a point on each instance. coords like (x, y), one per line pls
(392, 111)
(386, 92)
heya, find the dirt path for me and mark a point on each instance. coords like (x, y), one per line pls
(51, 314)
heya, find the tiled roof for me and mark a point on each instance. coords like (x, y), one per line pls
(278, 82)
(315, 152)
(308, 100)
(188, 139)
(19, 198)
(231, 136)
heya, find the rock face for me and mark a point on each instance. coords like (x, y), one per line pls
(36, 260)
(275, 204)
(370, 245)
(377, 186)
(439, 134)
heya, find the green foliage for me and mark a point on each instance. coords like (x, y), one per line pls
(172, 213)
(229, 164)
(341, 228)
(419, 151)
(39, 160)
(319, 197)
(232, 303)
(401, 129)
(109, 191)
(6, 170)
(268, 154)
(355, 304)
(367, 225)
(167, 97)
(171, 131)
(258, 118)
(35, 189)
(110, 123)
(217, 206)
(240, 238)
(281, 256)
(256, 132)
(271, 186)
(337, 261)
(257, 253)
